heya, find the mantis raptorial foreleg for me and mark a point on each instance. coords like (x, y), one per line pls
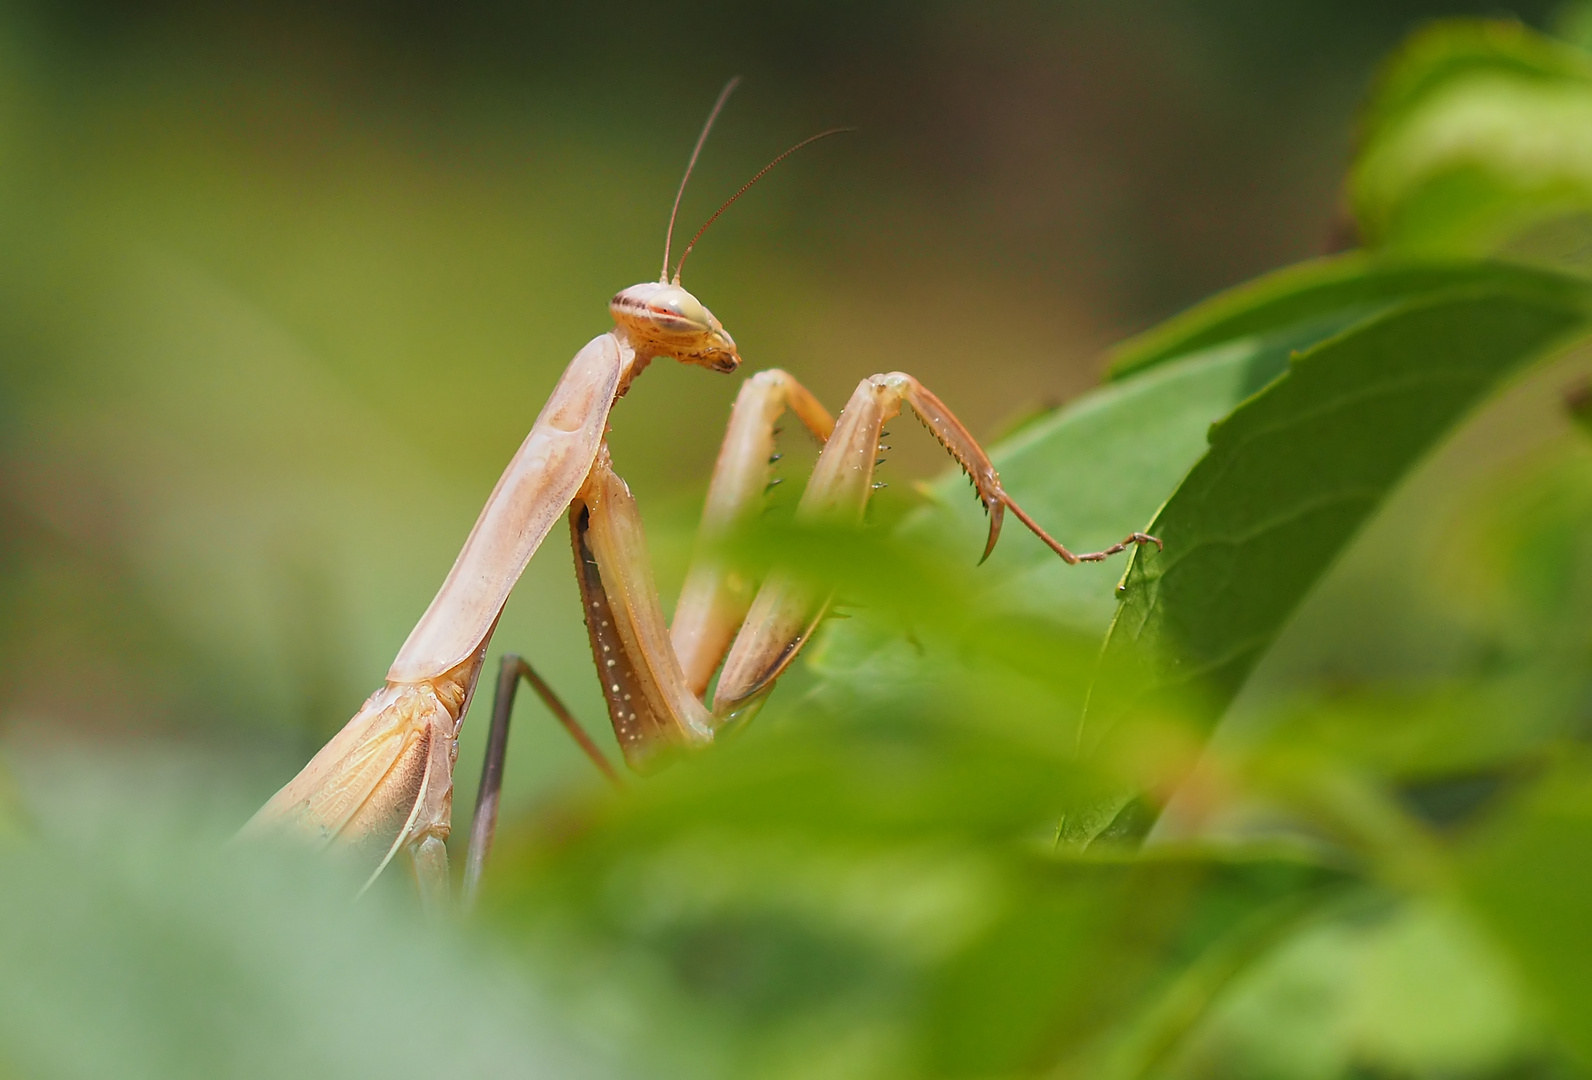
(786, 610)
(715, 598)
(653, 677)
(653, 703)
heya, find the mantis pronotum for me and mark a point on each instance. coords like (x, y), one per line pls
(385, 782)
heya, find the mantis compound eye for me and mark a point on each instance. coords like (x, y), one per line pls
(655, 308)
(674, 301)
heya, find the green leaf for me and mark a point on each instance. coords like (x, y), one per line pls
(1076, 970)
(136, 943)
(1380, 988)
(1295, 471)
(1478, 132)
(780, 900)
(1104, 464)
(1293, 308)
(878, 878)
(1529, 878)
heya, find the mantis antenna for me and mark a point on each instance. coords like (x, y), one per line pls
(760, 174)
(713, 115)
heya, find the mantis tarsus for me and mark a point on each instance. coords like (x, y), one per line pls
(384, 783)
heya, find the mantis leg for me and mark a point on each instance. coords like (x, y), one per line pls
(715, 598)
(712, 604)
(652, 707)
(484, 826)
(652, 703)
(785, 611)
(429, 858)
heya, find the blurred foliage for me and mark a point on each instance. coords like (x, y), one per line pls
(12, 815)
(1476, 141)
(1304, 794)
(1291, 474)
(137, 943)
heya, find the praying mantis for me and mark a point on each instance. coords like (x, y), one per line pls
(384, 783)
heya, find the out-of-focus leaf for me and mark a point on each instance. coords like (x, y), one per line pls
(1478, 131)
(1066, 972)
(1529, 877)
(135, 945)
(1376, 988)
(1521, 556)
(774, 904)
(790, 895)
(1293, 473)
(939, 764)
(1416, 738)
(909, 615)
(785, 896)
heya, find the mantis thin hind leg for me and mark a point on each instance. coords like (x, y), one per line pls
(483, 827)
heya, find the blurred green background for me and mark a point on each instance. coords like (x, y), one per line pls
(282, 287)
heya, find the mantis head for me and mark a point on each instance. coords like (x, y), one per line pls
(663, 319)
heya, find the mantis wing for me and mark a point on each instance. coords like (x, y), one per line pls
(363, 787)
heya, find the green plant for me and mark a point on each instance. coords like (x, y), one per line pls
(994, 834)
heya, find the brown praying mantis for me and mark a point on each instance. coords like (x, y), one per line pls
(384, 783)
